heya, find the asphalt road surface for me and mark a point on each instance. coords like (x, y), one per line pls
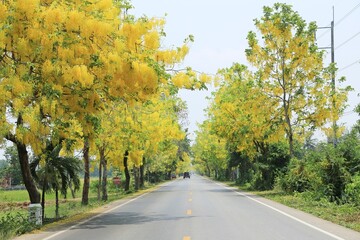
(199, 209)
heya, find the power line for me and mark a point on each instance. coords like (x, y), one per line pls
(351, 112)
(350, 65)
(348, 40)
(338, 22)
(348, 113)
(324, 33)
(348, 14)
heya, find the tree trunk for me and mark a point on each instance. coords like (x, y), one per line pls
(104, 175)
(169, 175)
(86, 186)
(57, 203)
(34, 194)
(100, 183)
(43, 200)
(127, 174)
(290, 135)
(208, 172)
(142, 170)
(28, 180)
(287, 115)
(136, 178)
(72, 190)
(291, 143)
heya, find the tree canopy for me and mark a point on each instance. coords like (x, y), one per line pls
(64, 65)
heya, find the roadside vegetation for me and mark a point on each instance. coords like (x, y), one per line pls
(261, 123)
(14, 208)
(323, 180)
(345, 214)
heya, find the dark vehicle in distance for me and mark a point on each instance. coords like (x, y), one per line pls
(186, 175)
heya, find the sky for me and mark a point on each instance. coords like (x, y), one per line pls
(220, 29)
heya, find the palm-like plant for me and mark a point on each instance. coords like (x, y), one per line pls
(54, 172)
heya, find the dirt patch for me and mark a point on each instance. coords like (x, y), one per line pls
(5, 206)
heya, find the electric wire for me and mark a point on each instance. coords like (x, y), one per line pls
(324, 33)
(338, 22)
(348, 40)
(350, 65)
(348, 14)
(342, 19)
(351, 112)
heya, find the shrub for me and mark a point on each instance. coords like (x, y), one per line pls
(273, 160)
(14, 224)
(297, 178)
(352, 191)
(321, 171)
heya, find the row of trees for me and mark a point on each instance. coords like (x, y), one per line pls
(262, 117)
(85, 77)
(10, 172)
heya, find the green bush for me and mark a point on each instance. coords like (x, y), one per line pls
(321, 171)
(272, 162)
(12, 225)
(352, 191)
(297, 178)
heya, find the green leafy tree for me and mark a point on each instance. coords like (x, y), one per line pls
(55, 172)
(11, 168)
(210, 152)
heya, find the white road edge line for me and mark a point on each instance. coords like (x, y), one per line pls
(107, 211)
(283, 213)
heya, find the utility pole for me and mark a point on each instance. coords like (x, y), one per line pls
(334, 124)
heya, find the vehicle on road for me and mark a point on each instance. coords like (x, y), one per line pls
(186, 175)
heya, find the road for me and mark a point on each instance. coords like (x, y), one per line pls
(199, 209)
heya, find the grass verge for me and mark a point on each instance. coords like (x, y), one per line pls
(14, 217)
(346, 215)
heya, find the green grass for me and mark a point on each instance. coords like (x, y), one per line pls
(14, 196)
(18, 200)
(346, 215)
(14, 209)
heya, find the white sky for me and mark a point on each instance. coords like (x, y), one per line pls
(220, 29)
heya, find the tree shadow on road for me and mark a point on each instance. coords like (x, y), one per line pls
(126, 218)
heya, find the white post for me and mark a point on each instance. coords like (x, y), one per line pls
(35, 213)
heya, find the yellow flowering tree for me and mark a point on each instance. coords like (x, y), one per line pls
(210, 152)
(242, 114)
(154, 137)
(132, 137)
(54, 69)
(290, 70)
(61, 62)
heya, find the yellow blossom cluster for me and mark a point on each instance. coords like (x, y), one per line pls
(77, 70)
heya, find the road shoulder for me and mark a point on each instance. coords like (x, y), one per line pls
(334, 230)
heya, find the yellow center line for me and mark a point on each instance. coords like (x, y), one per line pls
(189, 212)
(186, 238)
